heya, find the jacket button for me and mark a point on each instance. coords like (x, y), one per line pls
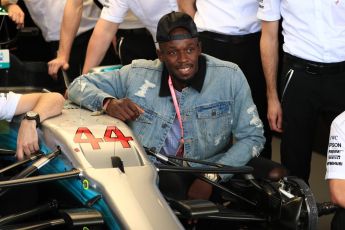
(164, 126)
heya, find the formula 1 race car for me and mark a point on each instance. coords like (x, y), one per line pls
(99, 176)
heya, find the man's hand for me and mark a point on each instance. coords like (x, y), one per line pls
(200, 190)
(55, 64)
(275, 115)
(27, 141)
(124, 109)
(16, 14)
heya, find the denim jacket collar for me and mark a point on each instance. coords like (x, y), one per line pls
(197, 82)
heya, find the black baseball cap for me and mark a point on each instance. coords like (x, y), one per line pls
(175, 20)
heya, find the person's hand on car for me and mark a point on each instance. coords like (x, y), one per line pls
(123, 109)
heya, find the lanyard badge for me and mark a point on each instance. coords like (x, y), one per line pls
(180, 149)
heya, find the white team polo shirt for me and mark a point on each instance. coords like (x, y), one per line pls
(336, 149)
(8, 105)
(313, 30)
(129, 22)
(230, 17)
(48, 14)
(147, 11)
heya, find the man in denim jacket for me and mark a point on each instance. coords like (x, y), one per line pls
(213, 97)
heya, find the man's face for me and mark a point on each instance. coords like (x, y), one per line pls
(180, 57)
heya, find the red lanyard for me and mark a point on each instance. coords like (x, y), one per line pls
(177, 108)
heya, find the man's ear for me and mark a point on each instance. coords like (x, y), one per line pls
(159, 54)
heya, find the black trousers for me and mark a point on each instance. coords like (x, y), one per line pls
(135, 44)
(245, 52)
(306, 92)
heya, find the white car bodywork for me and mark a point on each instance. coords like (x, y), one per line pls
(88, 142)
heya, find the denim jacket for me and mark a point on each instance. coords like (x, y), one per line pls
(223, 107)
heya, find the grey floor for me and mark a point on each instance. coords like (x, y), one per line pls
(317, 182)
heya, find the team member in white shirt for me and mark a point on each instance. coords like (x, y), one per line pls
(39, 107)
(147, 11)
(48, 15)
(230, 30)
(133, 40)
(73, 14)
(313, 75)
(336, 169)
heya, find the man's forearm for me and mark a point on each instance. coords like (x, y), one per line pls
(269, 56)
(337, 188)
(88, 92)
(49, 105)
(94, 54)
(69, 27)
(99, 42)
(187, 6)
(45, 104)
